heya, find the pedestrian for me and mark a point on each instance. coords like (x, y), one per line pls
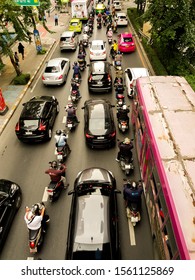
(56, 19)
(21, 49)
(16, 58)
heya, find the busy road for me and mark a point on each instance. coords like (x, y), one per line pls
(26, 165)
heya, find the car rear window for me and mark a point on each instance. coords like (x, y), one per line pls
(127, 39)
(122, 17)
(29, 124)
(65, 39)
(52, 69)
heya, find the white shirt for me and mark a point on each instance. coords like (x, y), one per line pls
(33, 224)
(60, 140)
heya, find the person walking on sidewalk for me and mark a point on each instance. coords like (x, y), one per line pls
(21, 49)
(56, 19)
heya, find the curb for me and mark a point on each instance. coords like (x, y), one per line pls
(11, 112)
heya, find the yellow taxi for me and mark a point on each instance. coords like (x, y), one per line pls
(75, 24)
(100, 8)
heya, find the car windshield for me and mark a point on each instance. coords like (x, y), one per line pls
(29, 124)
(127, 39)
(97, 47)
(95, 189)
(52, 69)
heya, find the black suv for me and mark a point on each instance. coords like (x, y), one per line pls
(93, 232)
(37, 119)
(99, 127)
(100, 77)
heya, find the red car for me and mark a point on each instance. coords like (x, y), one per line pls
(126, 42)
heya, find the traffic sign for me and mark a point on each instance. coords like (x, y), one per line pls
(28, 2)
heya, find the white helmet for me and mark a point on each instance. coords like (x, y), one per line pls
(124, 107)
(134, 185)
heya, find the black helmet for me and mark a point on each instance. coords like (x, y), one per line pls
(58, 132)
(35, 209)
(54, 164)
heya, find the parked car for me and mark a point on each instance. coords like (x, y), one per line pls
(130, 77)
(10, 202)
(117, 5)
(121, 19)
(93, 226)
(100, 76)
(97, 50)
(56, 71)
(126, 43)
(100, 8)
(99, 126)
(69, 40)
(75, 24)
(37, 119)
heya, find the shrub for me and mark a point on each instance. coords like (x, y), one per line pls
(21, 80)
(43, 51)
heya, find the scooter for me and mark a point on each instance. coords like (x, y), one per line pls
(82, 64)
(54, 189)
(62, 153)
(85, 42)
(71, 123)
(133, 213)
(74, 96)
(126, 165)
(99, 25)
(123, 125)
(117, 65)
(120, 100)
(109, 39)
(36, 237)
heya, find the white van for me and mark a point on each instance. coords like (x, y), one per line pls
(131, 75)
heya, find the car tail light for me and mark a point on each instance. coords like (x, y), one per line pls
(17, 127)
(109, 78)
(42, 127)
(89, 136)
(131, 85)
(113, 134)
(104, 52)
(32, 245)
(90, 78)
(43, 78)
(60, 77)
(91, 52)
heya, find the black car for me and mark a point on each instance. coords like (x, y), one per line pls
(100, 77)
(37, 119)
(10, 202)
(99, 127)
(93, 225)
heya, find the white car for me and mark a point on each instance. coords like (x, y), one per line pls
(117, 5)
(56, 71)
(121, 19)
(97, 50)
(131, 75)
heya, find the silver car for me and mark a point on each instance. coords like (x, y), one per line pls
(69, 40)
(56, 71)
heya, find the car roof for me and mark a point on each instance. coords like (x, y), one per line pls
(121, 14)
(56, 61)
(67, 33)
(138, 72)
(99, 67)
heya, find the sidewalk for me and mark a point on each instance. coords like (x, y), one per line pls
(31, 64)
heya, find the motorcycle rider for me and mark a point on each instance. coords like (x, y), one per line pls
(132, 193)
(119, 88)
(86, 38)
(61, 139)
(71, 113)
(125, 148)
(81, 56)
(114, 48)
(122, 113)
(118, 59)
(35, 217)
(56, 174)
(110, 33)
(86, 29)
(76, 70)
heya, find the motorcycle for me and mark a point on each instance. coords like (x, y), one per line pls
(74, 96)
(85, 42)
(36, 237)
(76, 78)
(126, 164)
(133, 207)
(82, 64)
(71, 123)
(123, 125)
(99, 25)
(109, 39)
(54, 189)
(117, 65)
(120, 100)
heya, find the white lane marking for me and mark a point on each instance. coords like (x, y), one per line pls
(45, 195)
(131, 233)
(64, 119)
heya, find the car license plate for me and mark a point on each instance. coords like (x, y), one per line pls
(97, 53)
(69, 125)
(134, 219)
(127, 166)
(99, 83)
(123, 126)
(100, 137)
(28, 133)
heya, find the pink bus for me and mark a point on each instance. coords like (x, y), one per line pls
(163, 117)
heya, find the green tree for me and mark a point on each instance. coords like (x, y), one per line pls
(173, 29)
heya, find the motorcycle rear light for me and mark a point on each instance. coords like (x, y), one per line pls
(17, 127)
(49, 191)
(89, 136)
(32, 245)
(42, 127)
